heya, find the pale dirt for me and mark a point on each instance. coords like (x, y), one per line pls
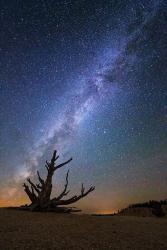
(49, 231)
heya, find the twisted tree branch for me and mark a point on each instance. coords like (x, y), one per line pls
(64, 192)
(40, 179)
(75, 198)
(33, 186)
(62, 164)
(31, 196)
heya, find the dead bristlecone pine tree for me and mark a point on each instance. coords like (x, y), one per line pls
(40, 194)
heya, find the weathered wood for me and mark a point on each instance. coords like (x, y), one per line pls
(40, 194)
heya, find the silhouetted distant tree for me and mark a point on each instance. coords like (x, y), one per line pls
(40, 194)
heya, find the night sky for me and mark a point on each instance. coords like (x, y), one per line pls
(87, 78)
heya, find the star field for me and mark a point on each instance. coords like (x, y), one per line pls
(88, 79)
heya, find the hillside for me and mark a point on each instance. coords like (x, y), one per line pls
(147, 209)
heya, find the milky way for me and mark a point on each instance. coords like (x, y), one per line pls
(90, 81)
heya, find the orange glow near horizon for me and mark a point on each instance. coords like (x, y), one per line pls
(22, 201)
(12, 203)
(105, 212)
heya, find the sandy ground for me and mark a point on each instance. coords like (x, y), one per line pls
(26, 230)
